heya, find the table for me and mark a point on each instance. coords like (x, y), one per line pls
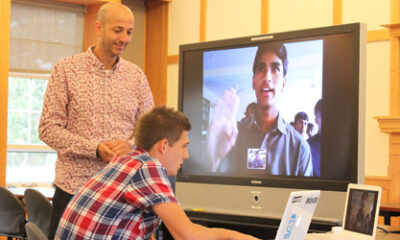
(387, 236)
(388, 210)
(46, 191)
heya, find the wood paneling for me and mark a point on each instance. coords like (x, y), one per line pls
(384, 181)
(264, 16)
(87, 2)
(156, 42)
(391, 124)
(203, 20)
(5, 9)
(378, 35)
(89, 34)
(173, 59)
(394, 11)
(337, 12)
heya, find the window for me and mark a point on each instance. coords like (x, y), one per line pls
(28, 158)
(41, 33)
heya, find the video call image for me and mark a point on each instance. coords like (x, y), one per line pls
(236, 82)
(360, 214)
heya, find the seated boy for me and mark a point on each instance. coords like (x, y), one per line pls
(128, 197)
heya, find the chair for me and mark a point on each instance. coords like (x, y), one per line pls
(34, 232)
(39, 209)
(12, 215)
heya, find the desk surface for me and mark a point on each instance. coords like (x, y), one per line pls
(388, 210)
(393, 207)
(387, 236)
(379, 236)
(19, 191)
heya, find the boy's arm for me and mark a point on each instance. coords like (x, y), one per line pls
(180, 226)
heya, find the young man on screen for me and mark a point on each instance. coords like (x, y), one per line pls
(128, 197)
(285, 150)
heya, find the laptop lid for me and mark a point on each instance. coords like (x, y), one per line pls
(297, 215)
(361, 212)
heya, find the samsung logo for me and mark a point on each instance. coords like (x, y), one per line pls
(262, 38)
(312, 200)
(258, 182)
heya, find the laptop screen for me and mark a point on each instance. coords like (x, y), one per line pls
(361, 210)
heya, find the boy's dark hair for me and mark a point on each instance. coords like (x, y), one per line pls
(301, 115)
(318, 107)
(160, 123)
(278, 48)
(249, 108)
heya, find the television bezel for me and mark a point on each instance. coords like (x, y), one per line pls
(357, 160)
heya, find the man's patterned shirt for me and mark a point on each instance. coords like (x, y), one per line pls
(85, 105)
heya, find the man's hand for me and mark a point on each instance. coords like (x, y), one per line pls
(223, 130)
(119, 147)
(104, 152)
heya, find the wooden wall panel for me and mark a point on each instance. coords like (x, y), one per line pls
(264, 16)
(89, 34)
(5, 9)
(378, 35)
(156, 42)
(337, 12)
(203, 20)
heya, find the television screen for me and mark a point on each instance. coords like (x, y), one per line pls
(281, 110)
(242, 92)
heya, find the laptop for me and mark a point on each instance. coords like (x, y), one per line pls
(361, 214)
(297, 215)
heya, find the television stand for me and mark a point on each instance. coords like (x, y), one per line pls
(263, 228)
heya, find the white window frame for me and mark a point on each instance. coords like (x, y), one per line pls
(29, 147)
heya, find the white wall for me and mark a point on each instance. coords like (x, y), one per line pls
(236, 18)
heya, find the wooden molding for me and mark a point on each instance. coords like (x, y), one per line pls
(156, 51)
(89, 34)
(264, 16)
(173, 59)
(337, 12)
(87, 2)
(384, 181)
(30, 147)
(5, 10)
(394, 29)
(378, 35)
(394, 11)
(203, 20)
(389, 124)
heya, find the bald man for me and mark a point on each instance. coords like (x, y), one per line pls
(92, 103)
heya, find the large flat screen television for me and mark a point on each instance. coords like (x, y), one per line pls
(272, 114)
